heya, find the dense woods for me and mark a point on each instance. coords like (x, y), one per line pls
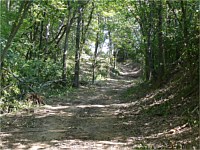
(54, 47)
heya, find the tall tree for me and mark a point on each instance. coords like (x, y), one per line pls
(145, 20)
(23, 9)
(160, 43)
(95, 52)
(70, 20)
(77, 53)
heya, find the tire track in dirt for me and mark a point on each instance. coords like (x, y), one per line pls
(92, 117)
(87, 118)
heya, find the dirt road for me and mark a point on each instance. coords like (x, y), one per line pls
(92, 117)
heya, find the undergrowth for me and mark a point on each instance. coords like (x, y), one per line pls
(178, 97)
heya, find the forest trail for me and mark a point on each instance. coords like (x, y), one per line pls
(92, 117)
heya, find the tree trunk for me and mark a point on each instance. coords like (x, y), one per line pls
(95, 57)
(64, 73)
(77, 54)
(70, 20)
(85, 28)
(110, 46)
(149, 51)
(18, 22)
(115, 59)
(46, 41)
(8, 5)
(160, 45)
(184, 24)
(41, 36)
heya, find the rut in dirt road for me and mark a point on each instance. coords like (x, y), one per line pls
(99, 117)
(90, 118)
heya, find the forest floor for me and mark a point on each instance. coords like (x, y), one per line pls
(97, 116)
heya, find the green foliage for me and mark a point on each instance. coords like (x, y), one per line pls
(136, 92)
(115, 72)
(39, 70)
(7, 106)
(35, 57)
(162, 109)
(144, 146)
(7, 19)
(57, 92)
(192, 116)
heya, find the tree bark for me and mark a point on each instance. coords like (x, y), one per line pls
(149, 51)
(146, 29)
(184, 22)
(41, 35)
(77, 54)
(160, 44)
(64, 73)
(110, 48)
(87, 26)
(70, 20)
(8, 5)
(95, 57)
(115, 59)
(46, 41)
